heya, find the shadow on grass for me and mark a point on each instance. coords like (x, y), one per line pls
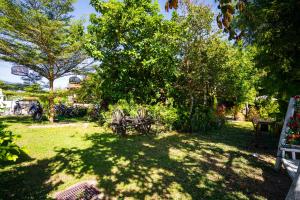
(170, 166)
(244, 139)
(144, 166)
(27, 182)
(22, 157)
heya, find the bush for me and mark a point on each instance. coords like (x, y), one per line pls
(62, 111)
(237, 114)
(9, 151)
(202, 119)
(169, 117)
(79, 111)
(253, 114)
(268, 108)
(96, 114)
(164, 114)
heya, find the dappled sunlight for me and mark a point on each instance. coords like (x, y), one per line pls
(169, 165)
(176, 191)
(177, 154)
(166, 166)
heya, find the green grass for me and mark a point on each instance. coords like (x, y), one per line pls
(171, 165)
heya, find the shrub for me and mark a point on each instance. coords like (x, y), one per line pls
(96, 114)
(79, 111)
(238, 115)
(268, 108)
(164, 114)
(203, 118)
(9, 151)
(253, 114)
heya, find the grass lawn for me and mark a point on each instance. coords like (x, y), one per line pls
(170, 165)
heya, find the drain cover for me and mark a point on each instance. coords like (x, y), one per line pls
(82, 191)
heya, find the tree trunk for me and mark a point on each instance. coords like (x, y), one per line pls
(51, 101)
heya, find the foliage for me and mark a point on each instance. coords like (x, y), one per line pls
(91, 89)
(268, 108)
(11, 86)
(25, 94)
(253, 114)
(128, 107)
(212, 70)
(225, 19)
(137, 49)
(96, 114)
(165, 114)
(162, 114)
(187, 62)
(9, 150)
(34, 88)
(240, 79)
(272, 26)
(40, 36)
(62, 111)
(202, 119)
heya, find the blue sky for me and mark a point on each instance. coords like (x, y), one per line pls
(82, 11)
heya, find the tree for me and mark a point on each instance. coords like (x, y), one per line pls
(33, 88)
(241, 81)
(273, 27)
(136, 49)
(11, 86)
(211, 69)
(40, 36)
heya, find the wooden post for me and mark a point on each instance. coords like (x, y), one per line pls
(289, 113)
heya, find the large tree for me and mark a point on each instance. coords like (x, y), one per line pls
(273, 26)
(136, 48)
(39, 35)
(211, 68)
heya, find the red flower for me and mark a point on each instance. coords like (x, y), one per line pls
(297, 97)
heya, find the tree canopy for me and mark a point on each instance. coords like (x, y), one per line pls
(211, 69)
(148, 59)
(273, 27)
(136, 47)
(40, 36)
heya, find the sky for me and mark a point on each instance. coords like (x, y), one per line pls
(82, 10)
